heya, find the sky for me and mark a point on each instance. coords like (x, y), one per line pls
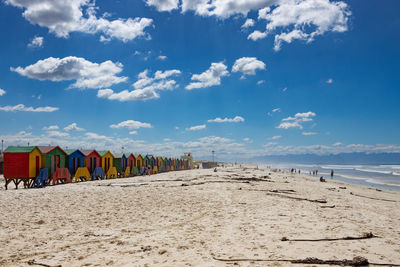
(242, 78)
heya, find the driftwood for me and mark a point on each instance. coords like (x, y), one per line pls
(389, 200)
(330, 207)
(356, 261)
(364, 236)
(278, 193)
(33, 262)
(254, 179)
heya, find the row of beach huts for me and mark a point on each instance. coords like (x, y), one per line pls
(38, 166)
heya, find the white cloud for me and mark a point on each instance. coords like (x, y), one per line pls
(247, 140)
(260, 82)
(235, 119)
(296, 121)
(73, 127)
(57, 134)
(257, 35)
(87, 74)
(210, 77)
(302, 20)
(337, 144)
(51, 127)
(167, 140)
(330, 80)
(276, 137)
(274, 111)
(284, 89)
(21, 107)
(196, 128)
(161, 57)
(95, 136)
(145, 87)
(2, 92)
(37, 41)
(66, 16)
(248, 65)
(131, 124)
(223, 8)
(248, 23)
(133, 132)
(163, 5)
(308, 133)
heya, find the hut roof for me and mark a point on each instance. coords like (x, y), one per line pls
(20, 149)
(88, 151)
(127, 155)
(70, 151)
(47, 149)
(102, 152)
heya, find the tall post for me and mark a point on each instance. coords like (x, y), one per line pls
(2, 141)
(213, 152)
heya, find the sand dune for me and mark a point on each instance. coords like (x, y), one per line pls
(186, 218)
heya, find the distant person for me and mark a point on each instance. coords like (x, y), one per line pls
(316, 172)
(331, 174)
(299, 171)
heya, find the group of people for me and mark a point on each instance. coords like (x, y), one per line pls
(293, 170)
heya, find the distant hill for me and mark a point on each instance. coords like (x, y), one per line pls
(343, 158)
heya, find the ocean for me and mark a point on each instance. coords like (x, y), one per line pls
(379, 176)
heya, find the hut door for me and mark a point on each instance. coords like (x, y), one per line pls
(91, 164)
(37, 165)
(52, 165)
(73, 165)
(58, 161)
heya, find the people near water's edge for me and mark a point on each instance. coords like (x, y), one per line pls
(331, 174)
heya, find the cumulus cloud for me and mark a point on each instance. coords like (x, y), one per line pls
(260, 82)
(97, 137)
(223, 8)
(131, 124)
(161, 57)
(302, 20)
(73, 127)
(248, 23)
(248, 65)
(66, 16)
(37, 41)
(51, 127)
(86, 74)
(163, 5)
(57, 134)
(145, 87)
(274, 111)
(2, 92)
(210, 77)
(296, 121)
(196, 128)
(133, 132)
(235, 119)
(21, 107)
(330, 80)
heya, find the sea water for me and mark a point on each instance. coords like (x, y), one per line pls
(379, 176)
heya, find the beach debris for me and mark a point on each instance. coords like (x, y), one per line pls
(330, 207)
(356, 261)
(389, 200)
(321, 179)
(33, 262)
(342, 187)
(215, 169)
(364, 236)
(280, 194)
(161, 252)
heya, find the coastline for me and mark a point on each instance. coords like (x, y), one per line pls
(189, 218)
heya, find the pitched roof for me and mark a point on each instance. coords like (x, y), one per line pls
(46, 149)
(89, 151)
(70, 151)
(127, 155)
(103, 152)
(19, 149)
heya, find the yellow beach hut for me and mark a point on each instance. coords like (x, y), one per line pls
(107, 159)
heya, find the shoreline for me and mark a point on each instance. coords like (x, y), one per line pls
(189, 218)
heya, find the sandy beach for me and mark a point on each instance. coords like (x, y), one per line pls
(198, 218)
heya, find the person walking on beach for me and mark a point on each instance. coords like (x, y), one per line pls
(331, 174)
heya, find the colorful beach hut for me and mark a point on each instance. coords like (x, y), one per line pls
(107, 159)
(130, 160)
(21, 163)
(119, 162)
(53, 158)
(92, 159)
(139, 161)
(76, 159)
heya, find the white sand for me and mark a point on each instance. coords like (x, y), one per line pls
(155, 221)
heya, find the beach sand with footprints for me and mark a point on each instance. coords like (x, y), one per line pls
(232, 217)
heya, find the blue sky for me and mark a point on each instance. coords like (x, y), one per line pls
(244, 78)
